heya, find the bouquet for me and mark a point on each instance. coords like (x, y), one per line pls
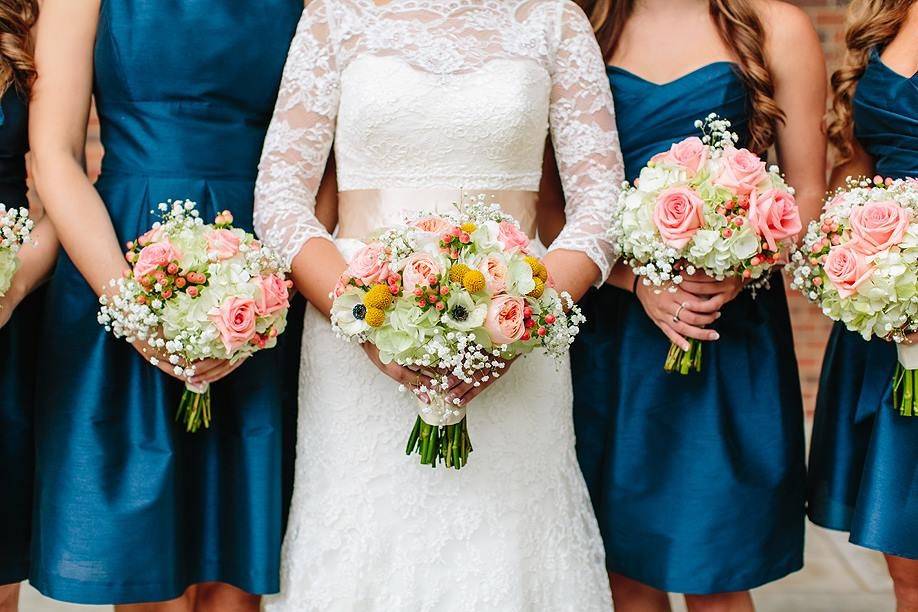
(859, 263)
(706, 206)
(15, 228)
(197, 291)
(455, 294)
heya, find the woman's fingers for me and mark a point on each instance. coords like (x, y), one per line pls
(697, 333)
(686, 315)
(673, 336)
(411, 379)
(223, 369)
(701, 288)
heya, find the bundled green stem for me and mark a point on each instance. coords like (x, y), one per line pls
(684, 362)
(194, 410)
(449, 444)
(905, 391)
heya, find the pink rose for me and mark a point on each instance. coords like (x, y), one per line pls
(504, 322)
(273, 295)
(511, 238)
(419, 267)
(156, 255)
(740, 171)
(876, 226)
(678, 215)
(836, 201)
(433, 225)
(151, 235)
(847, 269)
(691, 154)
(370, 264)
(223, 243)
(775, 215)
(235, 320)
(495, 272)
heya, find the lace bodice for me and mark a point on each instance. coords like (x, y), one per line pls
(441, 94)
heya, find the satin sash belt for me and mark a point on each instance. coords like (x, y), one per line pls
(361, 212)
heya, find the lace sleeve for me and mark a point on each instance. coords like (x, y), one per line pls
(585, 139)
(299, 139)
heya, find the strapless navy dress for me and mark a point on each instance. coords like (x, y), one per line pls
(864, 455)
(18, 354)
(697, 481)
(133, 508)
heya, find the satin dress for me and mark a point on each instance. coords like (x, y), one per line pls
(864, 455)
(133, 508)
(697, 481)
(18, 354)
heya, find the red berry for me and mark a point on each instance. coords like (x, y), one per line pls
(542, 331)
(528, 323)
(418, 292)
(441, 306)
(444, 290)
(550, 319)
(527, 312)
(526, 336)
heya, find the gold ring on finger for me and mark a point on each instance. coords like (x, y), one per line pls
(676, 318)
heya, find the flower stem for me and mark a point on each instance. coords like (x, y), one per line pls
(905, 391)
(684, 362)
(194, 410)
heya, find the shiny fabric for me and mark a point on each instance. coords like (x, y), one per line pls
(864, 456)
(697, 481)
(362, 211)
(17, 365)
(133, 508)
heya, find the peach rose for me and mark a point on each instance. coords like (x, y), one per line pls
(433, 225)
(222, 243)
(156, 255)
(690, 154)
(419, 267)
(370, 264)
(495, 272)
(876, 226)
(740, 171)
(678, 215)
(273, 295)
(235, 320)
(847, 269)
(511, 238)
(504, 321)
(775, 215)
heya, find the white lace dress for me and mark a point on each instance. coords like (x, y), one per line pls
(438, 95)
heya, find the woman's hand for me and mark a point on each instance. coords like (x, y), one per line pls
(465, 392)
(409, 378)
(206, 371)
(679, 314)
(719, 292)
(910, 338)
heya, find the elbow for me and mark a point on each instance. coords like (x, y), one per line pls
(46, 169)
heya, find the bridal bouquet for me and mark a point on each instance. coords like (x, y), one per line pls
(452, 295)
(705, 206)
(859, 262)
(197, 291)
(15, 227)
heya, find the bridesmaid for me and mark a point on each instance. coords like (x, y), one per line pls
(864, 455)
(19, 307)
(133, 508)
(698, 481)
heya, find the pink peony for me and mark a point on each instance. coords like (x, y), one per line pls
(775, 215)
(419, 267)
(678, 215)
(154, 256)
(847, 269)
(691, 154)
(740, 171)
(495, 272)
(505, 322)
(223, 243)
(876, 226)
(370, 264)
(273, 295)
(433, 225)
(511, 238)
(235, 320)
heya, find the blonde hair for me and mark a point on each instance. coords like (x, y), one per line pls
(17, 68)
(871, 24)
(740, 28)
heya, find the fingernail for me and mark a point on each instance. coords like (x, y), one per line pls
(715, 336)
(718, 316)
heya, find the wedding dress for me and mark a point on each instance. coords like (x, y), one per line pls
(422, 98)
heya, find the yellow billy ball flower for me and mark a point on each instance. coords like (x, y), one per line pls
(374, 317)
(378, 297)
(473, 281)
(468, 227)
(539, 288)
(538, 268)
(457, 272)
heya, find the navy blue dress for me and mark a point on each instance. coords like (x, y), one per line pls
(864, 455)
(17, 370)
(133, 508)
(697, 481)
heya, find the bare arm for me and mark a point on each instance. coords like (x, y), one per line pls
(860, 164)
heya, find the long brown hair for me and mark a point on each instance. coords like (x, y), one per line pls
(740, 28)
(871, 23)
(17, 68)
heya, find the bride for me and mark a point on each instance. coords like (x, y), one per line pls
(423, 98)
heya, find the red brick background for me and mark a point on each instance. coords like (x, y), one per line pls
(810, 328)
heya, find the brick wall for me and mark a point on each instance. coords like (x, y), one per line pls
(810, 328)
